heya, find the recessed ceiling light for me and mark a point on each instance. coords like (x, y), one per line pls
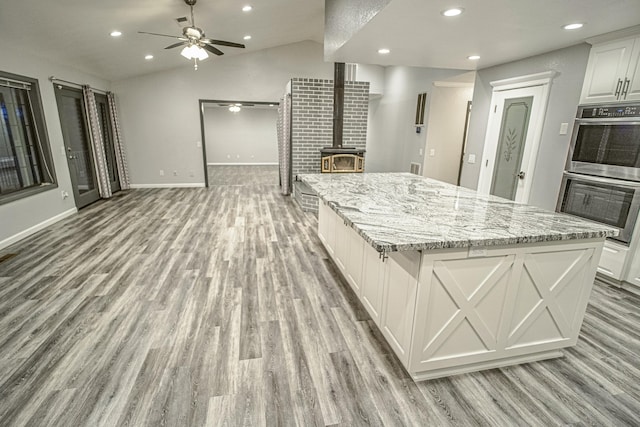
(383, 51)
(473, 57)
(115, 33)
(574, 26)
(148, 57)
(247, 37)
(247, 8)
(455, 11)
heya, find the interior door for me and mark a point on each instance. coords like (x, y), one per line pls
(75, 132)
(107, 140)
(511, 143)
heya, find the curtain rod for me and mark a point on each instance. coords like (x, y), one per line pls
(53, 79)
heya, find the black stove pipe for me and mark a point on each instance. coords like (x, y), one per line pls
(338, 104)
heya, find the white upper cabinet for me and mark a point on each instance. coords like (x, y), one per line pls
(613, 72)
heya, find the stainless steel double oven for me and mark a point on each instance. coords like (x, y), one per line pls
(602, 178)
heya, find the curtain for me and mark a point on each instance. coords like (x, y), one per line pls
(100, 161)
(284, 143)
(121, 160)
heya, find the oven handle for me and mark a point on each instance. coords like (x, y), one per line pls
(613, 120)
(602, 180)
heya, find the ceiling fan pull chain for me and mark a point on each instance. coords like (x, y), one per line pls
(195, 64)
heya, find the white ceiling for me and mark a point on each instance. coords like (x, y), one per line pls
(76, 32)
(498, 30)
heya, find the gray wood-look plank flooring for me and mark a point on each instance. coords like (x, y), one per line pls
(219, 306)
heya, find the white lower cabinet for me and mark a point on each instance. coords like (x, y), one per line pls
(447, 311)
(354, 259)
(399, 301)
(373, 277)
(327, 227)
(613, 260)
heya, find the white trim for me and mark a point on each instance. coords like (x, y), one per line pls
(32, 230)
(537, 79)
(452, 84)
(179, 185)
(243, 164)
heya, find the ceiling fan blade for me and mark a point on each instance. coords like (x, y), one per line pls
(223, 43)
(163, 35)
(213, 49)
(176, 45)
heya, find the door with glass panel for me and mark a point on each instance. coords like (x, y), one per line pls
(107, 139)
(511, 143)
(77, 143)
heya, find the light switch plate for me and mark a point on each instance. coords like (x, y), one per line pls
(472, 158)
(564, 128)
(432, 152)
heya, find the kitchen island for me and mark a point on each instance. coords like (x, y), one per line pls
(458, 281)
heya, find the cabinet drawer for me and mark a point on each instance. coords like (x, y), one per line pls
(612, 260)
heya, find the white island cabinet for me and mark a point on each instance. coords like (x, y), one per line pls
(474, 300)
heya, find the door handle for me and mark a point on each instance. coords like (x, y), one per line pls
(72, 157)
(625, 88)
(520, 175)
(618, 87)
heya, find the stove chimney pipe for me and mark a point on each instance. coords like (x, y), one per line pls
(338, 103)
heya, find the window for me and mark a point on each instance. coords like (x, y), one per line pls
(25, 158)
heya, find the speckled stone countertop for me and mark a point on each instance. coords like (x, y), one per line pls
(401, 212)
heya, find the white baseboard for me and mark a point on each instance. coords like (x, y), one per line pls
(32, 230)
(242, 164)
(179, 185)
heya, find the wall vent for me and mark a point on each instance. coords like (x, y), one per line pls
(415, 168)
(182, 20)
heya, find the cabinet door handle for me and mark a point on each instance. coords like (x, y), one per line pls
(625, 88)
(618, 87)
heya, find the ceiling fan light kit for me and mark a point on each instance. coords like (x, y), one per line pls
(194, 41)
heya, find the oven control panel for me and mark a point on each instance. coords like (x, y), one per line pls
(609, 111)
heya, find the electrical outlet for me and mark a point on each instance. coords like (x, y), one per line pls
(472, 158)
(64, 194)
(199, 144)
(228, 156)
(161, 172)
(175, 173)
(432, 152)
(420, 152)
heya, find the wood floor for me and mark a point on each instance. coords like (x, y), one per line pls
(219, 306)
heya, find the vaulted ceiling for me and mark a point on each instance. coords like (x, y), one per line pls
(76, 32)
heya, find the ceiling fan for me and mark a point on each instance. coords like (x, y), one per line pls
(194, 41)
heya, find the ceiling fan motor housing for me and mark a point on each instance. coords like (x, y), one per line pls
(190, 2)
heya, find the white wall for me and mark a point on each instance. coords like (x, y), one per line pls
(21, 217)
(445, 132)
(570, 63)
(248, 136)
(159, 112)
(393, 142)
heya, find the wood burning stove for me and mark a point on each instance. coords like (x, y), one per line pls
(341, 160)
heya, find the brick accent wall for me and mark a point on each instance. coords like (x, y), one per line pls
(312, 126)
(312, 120)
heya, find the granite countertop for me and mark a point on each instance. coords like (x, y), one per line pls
(402, 211)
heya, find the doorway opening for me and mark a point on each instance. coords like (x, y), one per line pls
(236, 136)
